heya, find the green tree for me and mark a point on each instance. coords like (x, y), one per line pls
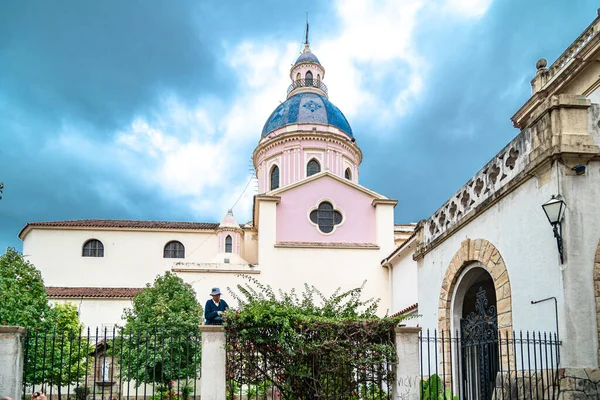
(22, 292)
(57, 354)
(54, 354)
(160, 342)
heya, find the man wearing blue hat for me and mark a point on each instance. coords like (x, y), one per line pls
(214, 308)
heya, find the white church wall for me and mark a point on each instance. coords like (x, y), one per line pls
(519, 229)
(404, 280)
(327, 267)
(131, 258)
(98, 313)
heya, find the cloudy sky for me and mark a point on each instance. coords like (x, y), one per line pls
(151, 109)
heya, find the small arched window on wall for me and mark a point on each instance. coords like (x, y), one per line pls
(309, 79)
(298, 77)
(313, 167)
(318, 78)
(174, 249)
(228, 244)
(274, 177)
(93, 248)
(348, 174)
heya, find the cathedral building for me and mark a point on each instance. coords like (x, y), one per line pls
(312, 222)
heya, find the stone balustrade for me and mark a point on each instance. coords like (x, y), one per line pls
(496, 174)
(571, 52)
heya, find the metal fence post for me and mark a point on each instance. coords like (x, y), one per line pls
(406, 385)
(11, 361)
(212, 383)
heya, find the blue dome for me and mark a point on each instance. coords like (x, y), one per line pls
(307, 108)
(307, 57)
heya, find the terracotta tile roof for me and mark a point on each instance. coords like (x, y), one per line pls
(406, 310)
(91, 292)
(118, 223)
(328, 245)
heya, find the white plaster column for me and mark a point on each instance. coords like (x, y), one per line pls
(408, 376)
(213, 362)
(12, 340)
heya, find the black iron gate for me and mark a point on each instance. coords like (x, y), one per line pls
(479, 349)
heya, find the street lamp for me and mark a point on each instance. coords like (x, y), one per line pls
(555, 210)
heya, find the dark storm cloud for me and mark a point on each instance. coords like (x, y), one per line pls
(93, 67)
(101, 61)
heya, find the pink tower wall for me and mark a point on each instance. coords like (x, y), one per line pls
(293, 224)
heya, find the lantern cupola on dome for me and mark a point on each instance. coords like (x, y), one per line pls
(306, 134)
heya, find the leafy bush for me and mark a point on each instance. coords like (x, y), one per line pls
(308, 346)
(81, 392)
(433, 389)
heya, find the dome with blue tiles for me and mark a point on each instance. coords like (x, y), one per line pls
(307, 108)
(307, 56)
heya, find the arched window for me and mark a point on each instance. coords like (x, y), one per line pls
(174, 249)
(326, 217)
(348, 174)
(298, 77)
(308, 78)
(318, 77)
(275, 177)
(313, 167)
(228, 244)
(93, 248)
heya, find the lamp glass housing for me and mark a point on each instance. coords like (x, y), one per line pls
(554, 209)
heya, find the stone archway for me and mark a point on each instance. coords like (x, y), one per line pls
(488, 257)
(485, 253)
(597, 294)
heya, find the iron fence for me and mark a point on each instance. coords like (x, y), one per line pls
(498, 365)
(112, 364)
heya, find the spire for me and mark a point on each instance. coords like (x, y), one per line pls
(306, 44)
(306, 40)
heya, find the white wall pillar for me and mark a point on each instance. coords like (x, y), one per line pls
(408, 375)
(12, 340)
(213, 362)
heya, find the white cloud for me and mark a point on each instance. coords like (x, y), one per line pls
(375, 49)
(199, 155)
(469, 8)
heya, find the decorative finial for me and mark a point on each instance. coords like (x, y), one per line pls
(541, 64)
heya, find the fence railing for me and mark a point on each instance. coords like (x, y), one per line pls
(113, 364)
(504, 365)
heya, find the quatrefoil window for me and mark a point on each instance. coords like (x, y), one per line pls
(326, 217)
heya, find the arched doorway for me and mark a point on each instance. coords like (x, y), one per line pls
(461, 275)
(474, 313)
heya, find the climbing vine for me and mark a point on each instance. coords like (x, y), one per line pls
(308, 346)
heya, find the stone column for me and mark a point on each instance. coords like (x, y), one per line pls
(408, 375)
(212, 384)
(12, 340)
